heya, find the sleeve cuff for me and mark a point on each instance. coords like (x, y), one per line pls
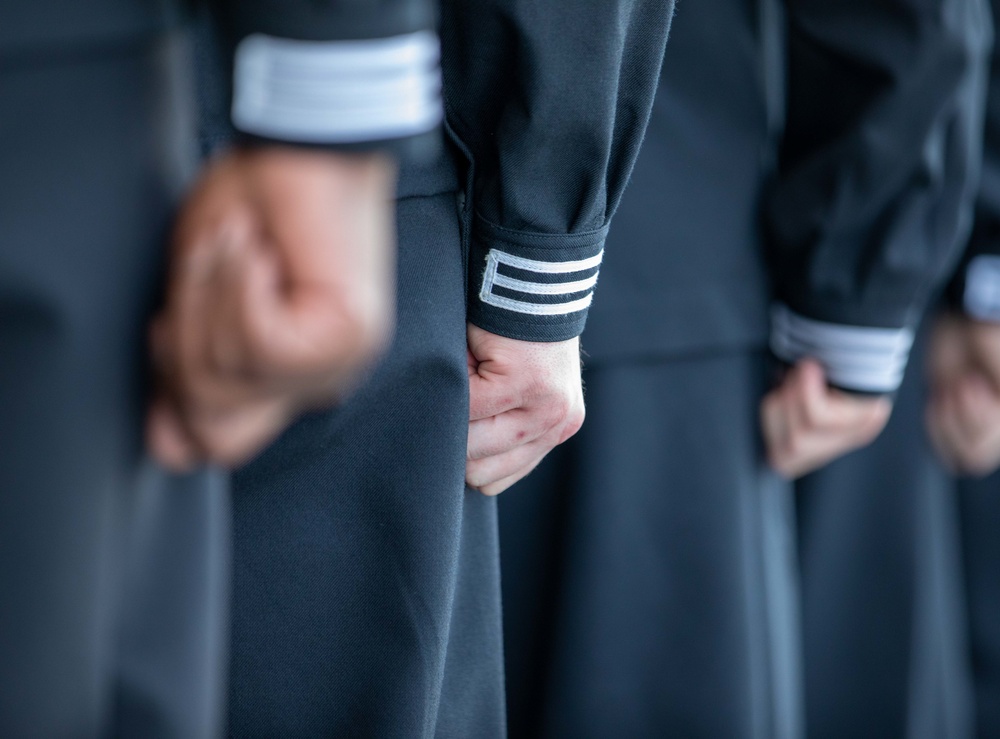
(856, 358)
(532, 287)
(981, 295)
(337, 92)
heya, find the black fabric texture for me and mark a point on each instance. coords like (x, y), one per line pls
(366, 581)
(683, 269)
(985, 237)
(879, 162)
(552, 102)
(113, 574)
(883, 622)
(979, 502)
(635, 596)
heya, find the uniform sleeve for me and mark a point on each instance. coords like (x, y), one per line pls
(551, 100)
(876, 176)
(976, 287)
(349, 73)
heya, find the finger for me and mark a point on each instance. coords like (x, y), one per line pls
(856, 421)
(947, 355)
(232, 438)
(808, 395)
(981, 458)
(948, 434)
(167, 440)
(309, 333)
(495, 488)
(973, 402)
(188, 318)
(492, 395)
(228, 354)
(774, 426)
(977, 422)
(935, 425)
(498, 434)
(480, 473)
(795, 449)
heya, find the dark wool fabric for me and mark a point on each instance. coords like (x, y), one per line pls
(980, 499)
(883, 607)
(648, 564)
(113, 575)
(686, 276)
(980, 509)
(366, 597)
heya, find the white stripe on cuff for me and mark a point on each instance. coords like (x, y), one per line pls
(492, 278)
(982, 288)
(854, 357)
(337, 91)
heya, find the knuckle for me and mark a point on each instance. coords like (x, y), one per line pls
(574, 422)
(474, 476)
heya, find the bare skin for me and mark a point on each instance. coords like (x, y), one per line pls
(280, 295)
(808, 424)
(963, 413)
(526, 398)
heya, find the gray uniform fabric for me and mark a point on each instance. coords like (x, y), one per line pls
(874, 107)
(980, 513)
(113, 575)
(883, 609)
(366, 581)
(648, 564)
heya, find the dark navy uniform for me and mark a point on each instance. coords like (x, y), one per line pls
(114, 577)
(888, 617)
(366, 575)
(819, 165)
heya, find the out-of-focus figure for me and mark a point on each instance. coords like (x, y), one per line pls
(114, 574)
(366, 599)
(815, 154)
(894, 632)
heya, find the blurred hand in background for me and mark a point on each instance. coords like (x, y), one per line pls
(807, 424)
(281, 293)
(963, 413)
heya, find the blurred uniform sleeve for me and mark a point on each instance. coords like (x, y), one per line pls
(976, 287)
(876, 177)
(551, 100)
(345, 73)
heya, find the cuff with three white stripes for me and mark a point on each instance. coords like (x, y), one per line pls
(529, 286)
(859, 358)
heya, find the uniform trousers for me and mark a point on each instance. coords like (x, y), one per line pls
(648, 563)
(113, 575)
(366, 575)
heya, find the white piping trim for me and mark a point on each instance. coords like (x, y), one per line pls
(982, 288)
(546, 268)
(545, 288)
(491, 279)
(855, 357)
(337, 91)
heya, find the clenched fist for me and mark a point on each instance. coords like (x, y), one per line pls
(526, 398)
(963, 414)
(280, 294)
(807, 424)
